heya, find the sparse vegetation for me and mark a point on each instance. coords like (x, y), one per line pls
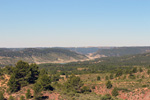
(109, 84)
(78, 80)
(28, 94)
(1, 96)
(115, 92)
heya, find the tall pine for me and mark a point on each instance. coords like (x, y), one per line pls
(13, 84)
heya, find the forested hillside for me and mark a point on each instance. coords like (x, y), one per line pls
(105, 64)
(87, 50)
(122, 51)
(39, 55)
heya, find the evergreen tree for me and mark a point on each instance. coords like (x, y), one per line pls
(23, 74)
(140, 70)
(85, 89)
(21, 71)
(119, 73)
(98, 78)
(115, 92)
(73, 83)
(33, 73)
(148, 72)
(37, 90)
(1, 96)
(106, 97)
(42, 72)
(45, 82)
(9, 70)
(111, 76)
(11, 98)
(134, 70)
(13, 85)
(131, 76)
(1, 71)
(106, 78)
(124, 77)
(28, 94)
(22, 98)
(55, 78)
(109, 84)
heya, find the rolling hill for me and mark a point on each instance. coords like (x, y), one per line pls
(122, 51)
(87, 50)
(129, 60)
(39, 55)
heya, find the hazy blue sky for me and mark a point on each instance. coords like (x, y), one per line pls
(48, 23)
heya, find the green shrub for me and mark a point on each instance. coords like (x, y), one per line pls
(106, 97)
(115, 92)
(93, 87)
(131, 76)
(111, 76)
(1, 96)
(98, 78)
(144, 85)
(73, 84)
(140, 70)
(28, 94)
(11, 98)
(106, 78)
(85, 89)
(22, 98)
(119, 73)
(109, 84)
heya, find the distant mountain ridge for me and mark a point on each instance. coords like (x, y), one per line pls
(122, 51)
(86, 50)
(138, 59)
(39, 55)
(64, 54)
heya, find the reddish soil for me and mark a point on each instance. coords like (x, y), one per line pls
(51, 96)
(138, 94)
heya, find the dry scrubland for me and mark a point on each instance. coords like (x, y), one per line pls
(129, 89)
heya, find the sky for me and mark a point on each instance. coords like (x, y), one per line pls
(74, 23)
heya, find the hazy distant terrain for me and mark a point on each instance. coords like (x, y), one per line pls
(39, 55)
(64, 55)
(138, 59)
(122, 51)
(87, 50)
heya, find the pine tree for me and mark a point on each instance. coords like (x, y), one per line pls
(28, 94)
(111, 76)
(141, 70)
(22, 71)
(33, 73)
(11, 98)
(73, 83)
(23, 74)
(22, 98)
(1, 96)
(148, 72)
(108, 84)
(13, 85)
(115, 92)
(119, 73)
(98, 78)
(85, 89)
(45, 82)
(37, 90)
(106, 78)
(1, 71)
(134, 70)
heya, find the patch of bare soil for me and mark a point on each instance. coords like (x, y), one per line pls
(137, 94)
(51, 96)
